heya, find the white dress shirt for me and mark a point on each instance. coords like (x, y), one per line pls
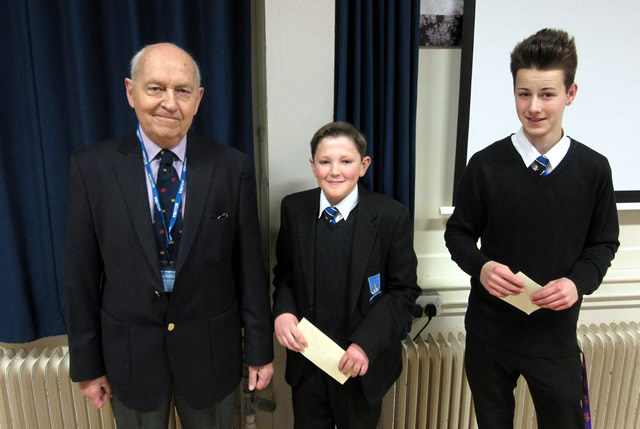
(344, 207)
(529, 153)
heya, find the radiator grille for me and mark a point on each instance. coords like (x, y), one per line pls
(36, 392)
(432, 391)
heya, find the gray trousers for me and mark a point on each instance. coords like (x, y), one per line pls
(219, 416)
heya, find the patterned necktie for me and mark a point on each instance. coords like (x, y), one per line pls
(540, 165)
(330, 214)
(167, 184)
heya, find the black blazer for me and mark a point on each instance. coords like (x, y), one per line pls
(382, 244)
(120, 321)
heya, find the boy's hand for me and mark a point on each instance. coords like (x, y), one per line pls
(499, 281)
(354, 361)
(287, 333)
(557, 295)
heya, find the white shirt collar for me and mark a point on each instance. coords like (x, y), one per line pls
(153, 149)
(529, 153)
(344, 207)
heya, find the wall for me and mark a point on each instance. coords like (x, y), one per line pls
(437, 112)
(299, 58)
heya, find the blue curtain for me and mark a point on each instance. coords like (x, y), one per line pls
(376, 87)
(63, 69)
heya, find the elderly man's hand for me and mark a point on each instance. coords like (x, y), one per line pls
(260, 376)
(97, 391)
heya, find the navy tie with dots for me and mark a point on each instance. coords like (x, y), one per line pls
(167, 184)
(539, 165)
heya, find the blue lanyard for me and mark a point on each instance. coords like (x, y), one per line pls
(154, 190)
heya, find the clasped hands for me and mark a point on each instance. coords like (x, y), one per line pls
(353, 362)
(499, 281)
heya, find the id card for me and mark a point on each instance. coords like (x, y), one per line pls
(168, 279)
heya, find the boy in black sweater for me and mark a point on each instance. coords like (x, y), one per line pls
(541, 203)
(346, 263)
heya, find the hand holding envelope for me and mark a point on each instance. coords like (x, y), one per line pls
(322, 351)
(522, 301)
(287, 332)
(308, 340)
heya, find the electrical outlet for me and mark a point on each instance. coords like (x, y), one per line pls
(430, 297)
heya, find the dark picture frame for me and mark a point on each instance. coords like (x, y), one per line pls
(441, 23)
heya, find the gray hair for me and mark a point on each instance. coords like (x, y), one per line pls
(134, 66)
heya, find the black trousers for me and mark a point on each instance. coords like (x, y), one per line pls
(555, 386)
(320, 402)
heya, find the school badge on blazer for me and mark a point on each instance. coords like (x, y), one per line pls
(374, 286)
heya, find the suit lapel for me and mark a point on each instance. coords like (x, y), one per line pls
(132, 181)
(307, 239)
(200, 168)
(365, 235)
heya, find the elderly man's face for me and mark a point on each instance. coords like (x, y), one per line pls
(164, 95)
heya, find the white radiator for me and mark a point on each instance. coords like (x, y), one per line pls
(432, 391)
(36, 393)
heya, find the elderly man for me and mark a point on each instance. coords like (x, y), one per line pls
(163, 272)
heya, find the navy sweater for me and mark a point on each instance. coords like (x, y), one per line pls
(564, 224)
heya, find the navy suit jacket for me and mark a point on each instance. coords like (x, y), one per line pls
(120, 321)
(382, 244)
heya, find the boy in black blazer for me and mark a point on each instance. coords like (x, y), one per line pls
(346, 263)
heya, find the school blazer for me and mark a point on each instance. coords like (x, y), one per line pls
(382, 244)
(120, 322)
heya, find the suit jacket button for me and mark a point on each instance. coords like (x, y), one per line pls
(171, 327)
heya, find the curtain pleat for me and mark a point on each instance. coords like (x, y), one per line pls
(376, 87)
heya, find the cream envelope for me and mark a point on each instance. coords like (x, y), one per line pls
(322, 350)
(522, 301)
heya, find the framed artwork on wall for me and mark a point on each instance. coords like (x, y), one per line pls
(441, 23)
